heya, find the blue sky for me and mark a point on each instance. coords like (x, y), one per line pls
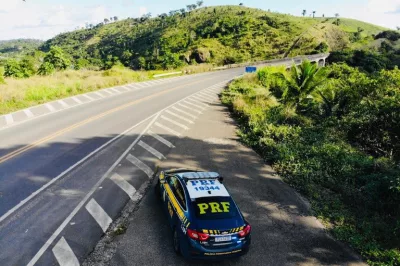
(42, 19)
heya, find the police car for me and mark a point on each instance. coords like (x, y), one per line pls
(206, 222)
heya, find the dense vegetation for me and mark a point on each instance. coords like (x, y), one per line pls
(333, 133)
(14, 47)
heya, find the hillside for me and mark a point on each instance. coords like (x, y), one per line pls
(15, 47)
(218, 35)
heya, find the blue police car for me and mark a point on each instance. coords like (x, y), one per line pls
(206, 222)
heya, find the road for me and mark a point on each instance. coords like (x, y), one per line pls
(69, 167)
(283, 230)
(54, 187)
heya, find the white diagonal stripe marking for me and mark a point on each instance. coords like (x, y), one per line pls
(50, 107)
(28, 113)
(88, 97)
(168, 129)
(193, 104)
(77, 100)
(180, 117)
(9, 119)
(161, 139)
(124, 185)
(116, 90)
(64, 254)
(141, 165)
(63, 104)
(100, 216)
(150, 149)
(99, 94)
(189, 108)
(199, 99)
(183, 112)
(174, 122)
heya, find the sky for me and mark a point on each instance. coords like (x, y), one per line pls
(43, 19)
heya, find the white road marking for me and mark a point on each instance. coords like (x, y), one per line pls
(180, 117)
(115, 89)
(161, 139)
(63, 104)
(198, 98)
(140, 85)
(50, 107)
(124, 185)
(141, 165)
(99, 215)
(90, 193)
(158, 81)
(190, 108)
(204, 98)
(78, 101)
(168, 129)
(204, 94)
(126, 88)
(99, 94)
(150, 149)
(193, 104)
(88, 97)
(183, 112)
(174, 122)
(28, 113)
(196, 101)
(64, 254)
(9, 119)
(109, 91)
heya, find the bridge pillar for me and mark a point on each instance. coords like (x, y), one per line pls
(321, 62)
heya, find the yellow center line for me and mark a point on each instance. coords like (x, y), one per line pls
(86, 121)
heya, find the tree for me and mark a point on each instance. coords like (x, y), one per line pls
(304, 12)
(106, 21)
(313, 14)
(398, 28)
(55, 59)
(241, 4)
(115, 18)
(302, 81)
(200, 3)
(12, 68)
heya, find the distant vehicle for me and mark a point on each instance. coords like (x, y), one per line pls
(206, 222)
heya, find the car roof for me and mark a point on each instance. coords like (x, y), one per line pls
(203, 184)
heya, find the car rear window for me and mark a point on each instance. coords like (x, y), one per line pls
(215, 208)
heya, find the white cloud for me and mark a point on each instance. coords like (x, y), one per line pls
(383, 6)
(142, 10)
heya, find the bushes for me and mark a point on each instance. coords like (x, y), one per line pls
(346, 160)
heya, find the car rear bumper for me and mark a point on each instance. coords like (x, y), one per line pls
(194, 250)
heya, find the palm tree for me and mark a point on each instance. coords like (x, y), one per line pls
(304, 12)
(313, 14)
(302, 81)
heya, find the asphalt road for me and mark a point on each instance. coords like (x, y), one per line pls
(283, 230)
(58, 184)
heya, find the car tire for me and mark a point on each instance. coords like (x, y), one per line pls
(175, 242)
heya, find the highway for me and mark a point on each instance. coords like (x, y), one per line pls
(68, 169)
(55, 163)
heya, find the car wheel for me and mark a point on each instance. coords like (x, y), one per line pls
(177, 246)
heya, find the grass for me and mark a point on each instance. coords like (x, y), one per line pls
(17, 94)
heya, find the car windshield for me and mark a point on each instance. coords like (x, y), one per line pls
(210, 208)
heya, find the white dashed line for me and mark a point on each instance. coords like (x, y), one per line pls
(168, 129)
(190, 108)
(201, 101)
(63, 104)
(180, 117)
(64, 254)
(116, 90)
(183, 112)
(99, 215)
(205, 95)
(161, 139)
(140, 85)
(193, 104)
(78, 101)
(9, 119)
(126, 88)
(28, 113)
(50, 107)
(88, 97)
(109, 91)
(204, 98)
(124, 185)
(174, 122)
(150, 149)
(141, 165)
(99, 94)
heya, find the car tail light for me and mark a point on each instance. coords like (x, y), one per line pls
(193, 234)
(246, 230)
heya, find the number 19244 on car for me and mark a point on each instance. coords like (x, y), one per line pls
(206, 222)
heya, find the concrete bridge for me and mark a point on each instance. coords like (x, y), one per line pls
(319, 59)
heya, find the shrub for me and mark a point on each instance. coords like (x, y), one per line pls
(12, 68)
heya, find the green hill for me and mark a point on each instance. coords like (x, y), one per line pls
(218, 35)
(19, 46)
